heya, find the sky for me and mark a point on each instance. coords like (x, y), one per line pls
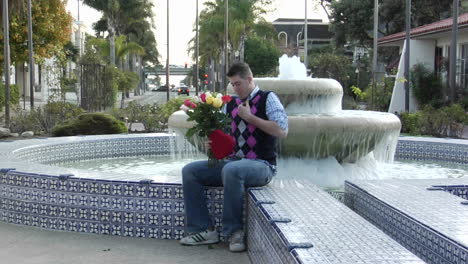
(182, 19)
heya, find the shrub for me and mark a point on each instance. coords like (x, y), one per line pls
(145, 114)
(14, 95)
(411, 123)
(166, 110)
(426, 86)
(447, 121)
(90, 124)
(43, 119)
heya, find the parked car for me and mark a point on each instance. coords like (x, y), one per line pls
(161, 88)
(183, 90)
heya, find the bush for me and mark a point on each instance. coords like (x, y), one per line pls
(153, 117)
(43, 119)
(262, 55)
(411, 123)
(90, 124)
(166, 110)
(427, 87)
(14, 95)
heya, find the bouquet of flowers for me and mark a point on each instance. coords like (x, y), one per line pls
(210, 123)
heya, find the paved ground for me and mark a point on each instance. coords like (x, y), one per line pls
(30, 245)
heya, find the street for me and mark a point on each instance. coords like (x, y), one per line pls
(151, 97)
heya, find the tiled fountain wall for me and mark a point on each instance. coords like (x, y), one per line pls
(431, 224)
(61, 201)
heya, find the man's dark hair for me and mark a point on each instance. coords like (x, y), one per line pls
(240, 68)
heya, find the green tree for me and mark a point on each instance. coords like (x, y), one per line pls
(51, 27)
(126, 82)
(244, 20)
(122, 48)
(352, 20)
(131, 18)
(331, 65)
(262, 55)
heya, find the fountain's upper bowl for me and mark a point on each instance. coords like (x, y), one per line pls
(308, 95)
(309, 86)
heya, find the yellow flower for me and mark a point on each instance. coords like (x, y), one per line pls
(217, 102)
(209, 99)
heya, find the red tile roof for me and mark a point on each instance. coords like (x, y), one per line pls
(439, 26)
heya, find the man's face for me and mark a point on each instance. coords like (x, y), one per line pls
(241, 86)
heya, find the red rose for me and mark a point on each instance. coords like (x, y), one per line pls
(187, 102)
(221, 144)
(226, 98)
(203, 97)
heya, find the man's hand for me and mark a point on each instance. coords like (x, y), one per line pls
(267, 126)
(244, 110)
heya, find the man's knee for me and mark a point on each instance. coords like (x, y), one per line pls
(187, 172)
(231, 174)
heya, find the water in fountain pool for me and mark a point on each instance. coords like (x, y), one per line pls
(327, 173)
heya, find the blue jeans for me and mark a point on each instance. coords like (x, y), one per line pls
(234, 176)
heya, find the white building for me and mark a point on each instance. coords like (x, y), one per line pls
(47, 75)
(430, 44)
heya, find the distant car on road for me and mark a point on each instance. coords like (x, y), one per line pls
(161, 88)
(183, 90)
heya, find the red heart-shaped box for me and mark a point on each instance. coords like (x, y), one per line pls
(221, 144)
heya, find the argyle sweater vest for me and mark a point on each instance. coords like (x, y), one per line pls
(251, 142)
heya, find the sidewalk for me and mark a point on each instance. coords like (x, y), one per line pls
(30, 245)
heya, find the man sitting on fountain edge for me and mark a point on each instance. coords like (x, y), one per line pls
(258, 119)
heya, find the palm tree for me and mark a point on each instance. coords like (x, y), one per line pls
(123, 48)
(110, 10)
(14, 6)
(123, 17)
(244, 19)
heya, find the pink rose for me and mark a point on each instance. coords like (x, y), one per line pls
(203, 97)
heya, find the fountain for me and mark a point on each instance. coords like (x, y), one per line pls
(318, 127)
(290, 220)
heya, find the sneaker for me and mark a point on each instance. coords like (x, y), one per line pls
(203, 238)
(236, 243)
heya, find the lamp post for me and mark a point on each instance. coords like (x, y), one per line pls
(31, 56)
(453, 52)
(407, 54)
(196, 50)
(6, 48)
(226, 53)
(167, 54)
(305, 36)
(375, 54)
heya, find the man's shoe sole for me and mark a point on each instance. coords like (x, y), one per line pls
(240, 249)
(200, 243)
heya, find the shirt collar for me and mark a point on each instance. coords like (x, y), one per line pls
(254, 92)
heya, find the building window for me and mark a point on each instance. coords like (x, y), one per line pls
(283, 39)
(298, 37)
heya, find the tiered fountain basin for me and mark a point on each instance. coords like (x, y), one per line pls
(318, 128)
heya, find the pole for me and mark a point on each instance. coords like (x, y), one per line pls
(375, 54)
(407, 54)
(453, 52)
(167, 54)
(226, 53)
(31, 56)
(78, 2)
(6, 48)
(197, 73)
(305, 36)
